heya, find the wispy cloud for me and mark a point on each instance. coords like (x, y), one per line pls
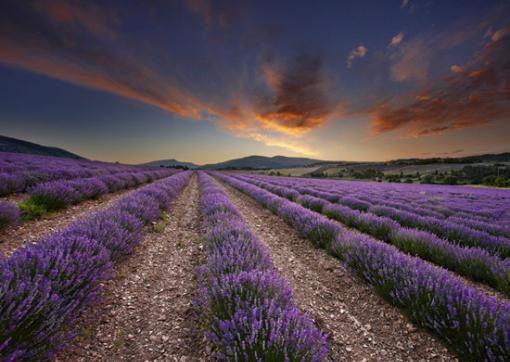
(81, 53)
(411, 61)
(99, 21)
(404, 3)
(73, 43)
(218, 12)
(473, 97)
(283, 143)
(359, 52)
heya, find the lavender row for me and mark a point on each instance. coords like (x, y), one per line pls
(55, 195)
(420, 199)
(456, 233)
(9, 214)
(474, 263)
(483, 204)
(457, 220)
(46, 286)
(21, 171)
(248, 307)
(475, 324)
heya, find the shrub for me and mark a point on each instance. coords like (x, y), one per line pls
(9, 214)
(31, 211)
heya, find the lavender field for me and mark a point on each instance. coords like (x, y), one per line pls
(254, 181)
(242, 267)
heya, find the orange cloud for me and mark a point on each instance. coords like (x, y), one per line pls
(456, 68)
(397, 39)
(471, 98)
(78, 44)
(140, 84)
(282, 143)
(411, 61)
(500, 34)
(297, 101)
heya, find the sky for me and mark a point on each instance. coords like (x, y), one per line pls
(205, 80)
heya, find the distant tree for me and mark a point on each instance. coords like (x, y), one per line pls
(450, 180)
(489, 180)
(318, 174)
(501, 181)
(392, 177)
(427, 179)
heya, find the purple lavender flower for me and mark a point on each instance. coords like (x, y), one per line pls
(45, 286)
(475, 324)
(247, 306)
(9, 214)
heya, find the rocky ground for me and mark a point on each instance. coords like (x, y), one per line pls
(146, 313)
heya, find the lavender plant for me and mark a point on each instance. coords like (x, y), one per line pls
(45, 286)
(247, 307)
(475, 324)
(473, 262)
(18, 172)
(9, 214)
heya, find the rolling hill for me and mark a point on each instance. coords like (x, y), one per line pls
(8, 144)
(262, 162)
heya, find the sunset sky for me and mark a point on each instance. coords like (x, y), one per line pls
(205, 80)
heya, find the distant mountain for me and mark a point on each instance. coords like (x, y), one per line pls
(261, 162)
(171, 163)
(8, 144)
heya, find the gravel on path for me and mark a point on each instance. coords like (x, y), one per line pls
(146, 313)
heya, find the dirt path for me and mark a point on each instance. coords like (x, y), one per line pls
(13, 238)
(146, 312)
(363, 327)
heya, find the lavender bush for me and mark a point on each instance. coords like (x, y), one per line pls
(9, 214)
(417, 207)
(475, 324)
(18, 172)
(56, 195)
(45, 286)
(247, 307)
(475, 263)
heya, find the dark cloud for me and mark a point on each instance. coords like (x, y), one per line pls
(298, 101)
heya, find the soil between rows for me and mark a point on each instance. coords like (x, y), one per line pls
(362, 326)
(30, 231)
(146, 313)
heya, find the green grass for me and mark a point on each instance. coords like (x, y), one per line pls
(31, 209)
(160, 226)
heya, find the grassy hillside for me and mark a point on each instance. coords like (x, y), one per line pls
(8, 144)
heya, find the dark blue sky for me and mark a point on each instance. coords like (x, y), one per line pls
(204, 80)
